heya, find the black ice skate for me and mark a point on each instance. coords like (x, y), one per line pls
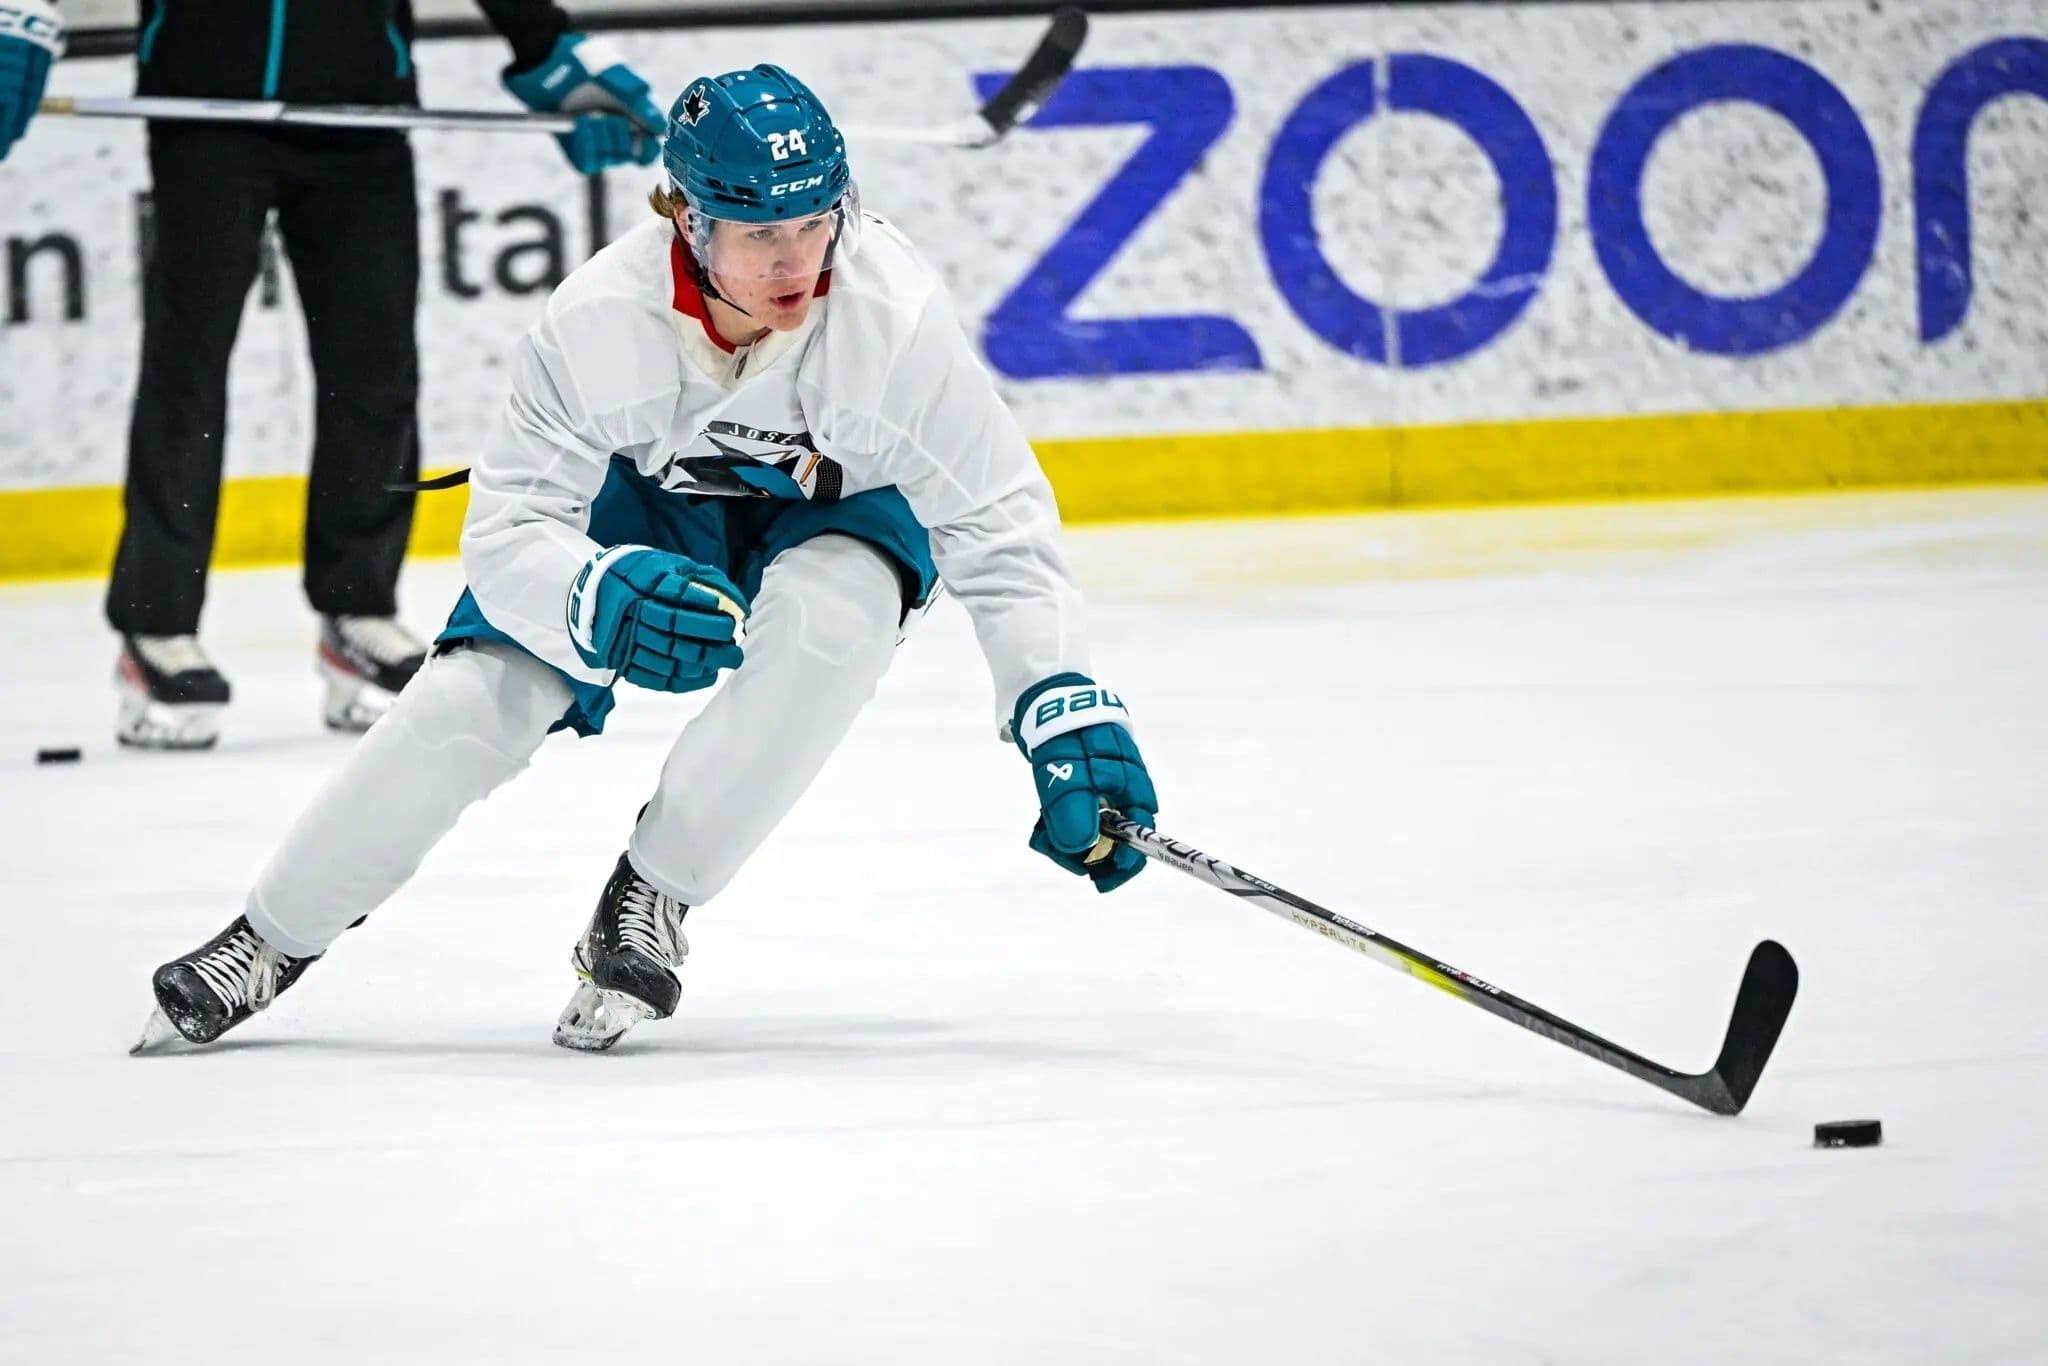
(627, 960)
(171, 696)
(365, 661)
(205, 993)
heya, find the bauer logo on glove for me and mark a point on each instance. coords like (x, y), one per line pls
(1084, 761)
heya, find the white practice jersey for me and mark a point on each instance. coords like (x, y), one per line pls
(879, 387)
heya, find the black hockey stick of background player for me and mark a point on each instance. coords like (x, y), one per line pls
(1019, 98)
(1761, 1003)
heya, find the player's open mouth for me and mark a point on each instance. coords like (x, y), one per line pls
(789, 300)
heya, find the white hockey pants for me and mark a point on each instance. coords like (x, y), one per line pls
(822, 632)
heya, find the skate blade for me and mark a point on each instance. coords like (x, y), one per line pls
(157, 1032)
(353, 704)
(595, 1019)
(143, 724)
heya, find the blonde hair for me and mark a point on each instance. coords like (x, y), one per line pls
(664, 203)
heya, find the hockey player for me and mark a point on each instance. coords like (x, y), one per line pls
(747, 436)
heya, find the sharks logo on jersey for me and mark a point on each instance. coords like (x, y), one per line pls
(754, 462)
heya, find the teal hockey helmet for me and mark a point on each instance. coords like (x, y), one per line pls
(758, 147)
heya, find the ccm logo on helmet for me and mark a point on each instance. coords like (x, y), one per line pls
(796, 186)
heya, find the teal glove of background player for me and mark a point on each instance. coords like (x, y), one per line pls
(657, 619)
(31, 37)
(1077, 736)
(617, 121)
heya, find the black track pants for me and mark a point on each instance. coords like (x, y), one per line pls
(346, 211)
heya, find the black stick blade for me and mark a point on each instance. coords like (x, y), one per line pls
(1043, 70)
(1762, 1004)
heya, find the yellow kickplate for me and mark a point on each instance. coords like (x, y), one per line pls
(47, 533)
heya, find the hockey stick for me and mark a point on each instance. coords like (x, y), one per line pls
(1033, 84)
(1761, 1003)
(1020, 96)
(316, 115)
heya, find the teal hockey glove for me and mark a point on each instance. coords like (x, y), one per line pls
(31, 37)
(656, 619)
(617, 121)
(1083, 759)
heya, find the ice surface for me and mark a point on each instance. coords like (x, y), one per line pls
(930, 1101)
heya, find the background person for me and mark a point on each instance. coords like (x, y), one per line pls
(345, 208)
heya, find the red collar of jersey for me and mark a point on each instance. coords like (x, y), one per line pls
(689, 300)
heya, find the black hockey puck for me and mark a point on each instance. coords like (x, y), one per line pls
(66, 754)
(1848, 1133)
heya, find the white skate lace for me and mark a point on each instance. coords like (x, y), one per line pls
(652, 924)
(242, 970)
(381, 638)
(172, 654)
